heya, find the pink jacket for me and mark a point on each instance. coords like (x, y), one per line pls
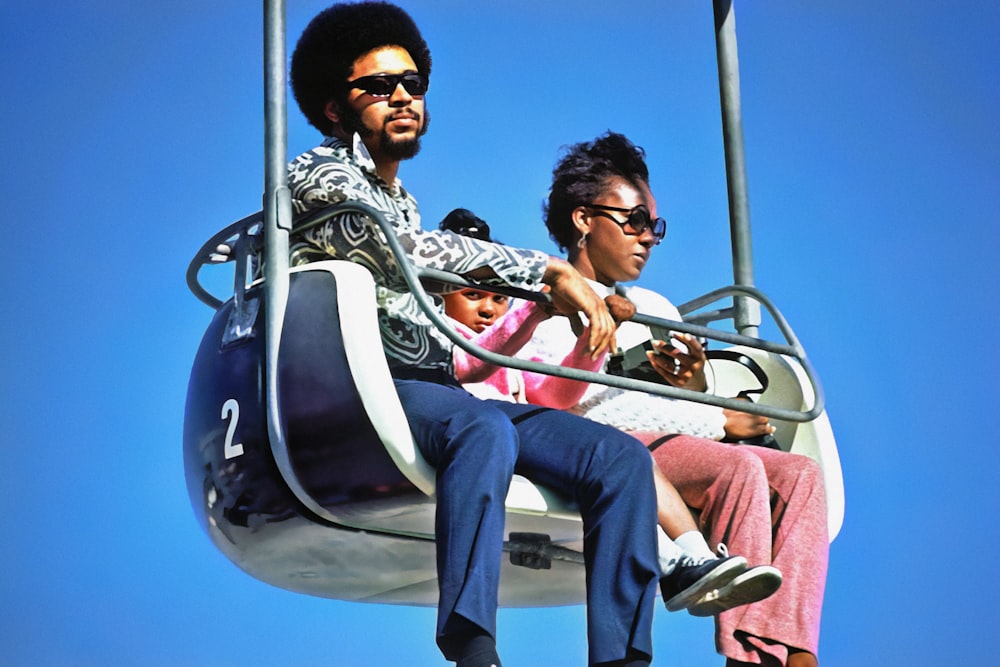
(510, 333)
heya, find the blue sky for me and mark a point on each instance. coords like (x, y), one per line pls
(132, 131)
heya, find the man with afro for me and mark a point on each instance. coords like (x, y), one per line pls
(360, 74)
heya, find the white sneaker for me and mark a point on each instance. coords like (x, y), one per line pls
(753, 585)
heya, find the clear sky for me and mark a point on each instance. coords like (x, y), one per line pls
(131, 131)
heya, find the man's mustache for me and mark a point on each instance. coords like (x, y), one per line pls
(404, 114)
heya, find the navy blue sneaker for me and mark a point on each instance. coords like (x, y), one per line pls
(753, 585)
(691, 581)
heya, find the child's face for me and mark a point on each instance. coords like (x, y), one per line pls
(475, 309)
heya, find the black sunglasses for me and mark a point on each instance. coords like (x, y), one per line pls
(638, 220)
(384, 85)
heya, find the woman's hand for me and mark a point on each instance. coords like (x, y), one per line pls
(680, 368)
(621, 309)
(743, 425)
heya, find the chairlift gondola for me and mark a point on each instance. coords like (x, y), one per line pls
(299, 461)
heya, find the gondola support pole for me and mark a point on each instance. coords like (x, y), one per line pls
(746, 318)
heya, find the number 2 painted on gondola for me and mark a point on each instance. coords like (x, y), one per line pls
(232, 408)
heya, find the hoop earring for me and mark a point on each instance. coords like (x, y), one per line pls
(582, 242)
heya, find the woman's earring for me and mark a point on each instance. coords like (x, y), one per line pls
(583, 241)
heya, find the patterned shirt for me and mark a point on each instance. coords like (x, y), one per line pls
(335, 172)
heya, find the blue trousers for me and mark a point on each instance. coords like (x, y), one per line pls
(476, 446)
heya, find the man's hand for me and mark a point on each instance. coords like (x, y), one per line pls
(685, 370)
(571, 295)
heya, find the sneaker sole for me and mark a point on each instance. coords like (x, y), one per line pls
(753, 585)
(727, 571)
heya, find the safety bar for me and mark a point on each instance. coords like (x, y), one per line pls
(413, 276)
(236, 236)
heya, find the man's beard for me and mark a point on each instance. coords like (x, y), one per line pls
(397, 149)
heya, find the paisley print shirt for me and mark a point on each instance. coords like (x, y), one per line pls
(334, 172)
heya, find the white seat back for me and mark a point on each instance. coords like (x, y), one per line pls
(788, 387)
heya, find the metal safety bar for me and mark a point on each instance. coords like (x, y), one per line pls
(414, 276)
(237, 236)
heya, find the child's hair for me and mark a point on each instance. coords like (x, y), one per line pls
(465, 222)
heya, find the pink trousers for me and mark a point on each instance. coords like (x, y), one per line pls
(770, 507)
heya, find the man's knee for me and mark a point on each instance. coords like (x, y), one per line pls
(626, 456)
(489, 436)
(447, 423)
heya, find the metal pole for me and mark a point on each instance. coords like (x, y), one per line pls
(747, 313)
(277, 209)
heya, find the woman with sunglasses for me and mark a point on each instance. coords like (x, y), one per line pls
(767, 505)
(692, 576)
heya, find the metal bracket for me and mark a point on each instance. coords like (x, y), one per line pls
(528, 550)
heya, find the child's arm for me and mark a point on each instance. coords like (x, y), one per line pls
(507, 336)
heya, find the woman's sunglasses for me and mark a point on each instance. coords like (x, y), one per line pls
(637, 222)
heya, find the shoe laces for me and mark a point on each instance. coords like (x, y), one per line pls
(722, 551)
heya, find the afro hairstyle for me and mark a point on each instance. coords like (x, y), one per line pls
(334, 39)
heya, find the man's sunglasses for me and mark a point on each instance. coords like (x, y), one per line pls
(384, 85)
(638, 220)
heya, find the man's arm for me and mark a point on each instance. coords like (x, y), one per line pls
(571, 295)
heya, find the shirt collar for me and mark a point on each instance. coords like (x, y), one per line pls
(359, 152)
(360, 155)
(601, 289)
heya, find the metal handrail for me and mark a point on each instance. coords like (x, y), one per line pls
(414, 275)
(238, 230)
